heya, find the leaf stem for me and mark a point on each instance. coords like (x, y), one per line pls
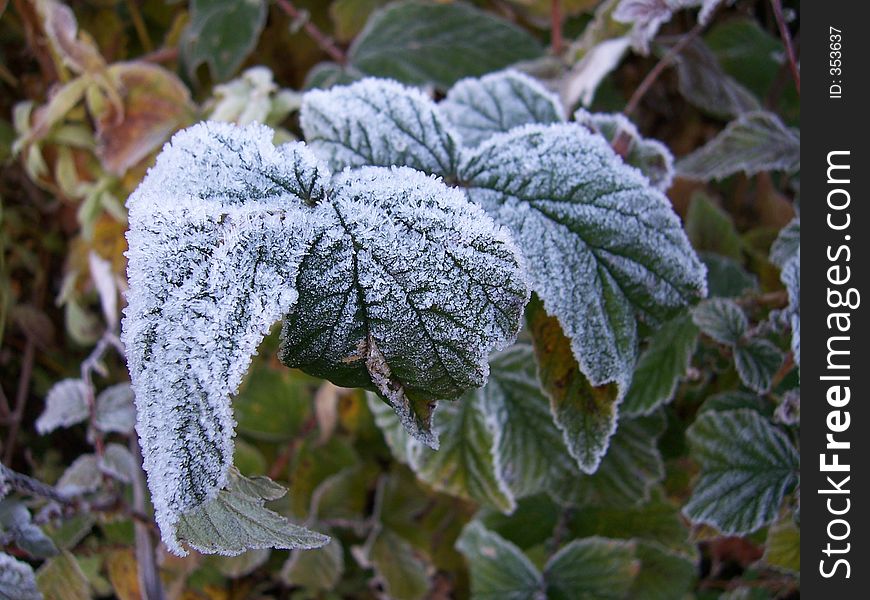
(660, 66)
(557, 40)
(786, 39)
(323, 41)
(139, 25)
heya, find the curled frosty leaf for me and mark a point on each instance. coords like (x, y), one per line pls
(603, 246)
(218, 229)
(405, 293)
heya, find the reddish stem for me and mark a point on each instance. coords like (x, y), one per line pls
(786, 39)
(558, 42)
(323, 41)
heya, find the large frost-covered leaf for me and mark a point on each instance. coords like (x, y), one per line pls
(584, 413)
(17, 581)
(66, 404)
(661, 366)
(592, 569)
(218, 229)
(651, 157)
(405, 294)
(496, 103)
(602, 245)
(498, 568)
(381, 123)
(438, 43)
(747, 467)
(754, 142)
(236, 520)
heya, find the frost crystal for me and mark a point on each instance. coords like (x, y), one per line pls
(379, 122)
(406, 292)
(602, 246)
(217, 230)
(480, 108)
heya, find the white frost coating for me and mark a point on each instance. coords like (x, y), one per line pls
(791, 277)
(381, 123)
(498, 102)
(585, 76)
(406, 292)
(17, 579)
(601, 244)
(217, 230)
(650, 156)
(66, 404)
(646, 17)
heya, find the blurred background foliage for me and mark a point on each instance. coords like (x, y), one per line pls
(91, 89)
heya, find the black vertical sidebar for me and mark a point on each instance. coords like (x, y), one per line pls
(835, 355)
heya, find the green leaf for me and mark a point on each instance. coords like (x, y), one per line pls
(62, 577)
(591, 569)
(627, 473)
(316, 570)
(272, 403)
(406, 295)
(17, 581)
(754, 142)
(421, 42)
(711, 229)
(787, 243)
(661, 366)
(602, 245)
(747, 467)
(496, 103)
(115, 411)
(498, 568)
(81, 477)
(244, 564)
(721, 319)
(663, 575)
(404, 574)
(531, 524)
(704, 84)
(381, 123)
(349, 16)
(658, 521)
(782, 550)
(726, 278)
(221, 33)
(757, 362)
(585, 414)
(236, 521)
(732, 400)
(531, 452)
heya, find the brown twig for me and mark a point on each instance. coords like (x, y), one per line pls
(20, 398)
(557, 41)
(161, 55)
(323, 41)
(660, 66)
(149, 579)
(786, 39)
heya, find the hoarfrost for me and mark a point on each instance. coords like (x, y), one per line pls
(602, 245)
(791, 277)
(406, 293)
(480, 108)
(381, 123)
(217, 231)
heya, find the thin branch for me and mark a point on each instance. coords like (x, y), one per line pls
(24, 484)
(323, 41)
(161, 55)
(139, 25)
(657, 70)
(20, 398)
(786, 39)
(149, 579)
(556, 19)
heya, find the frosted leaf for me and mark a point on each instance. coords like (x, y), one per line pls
(218, 228)
(754, 142)
(585, 76)
(787, 243)
(703, 83)
(721, 319)
(592, 568)
(406, 293)
(651, 157)
(791, 277)
(480, 108)
(646, 17)
(236, 520)
(602, 246)
(17, 580)
(118, 462)
(381, 123)
(16, 525)
(65, 405)
(498, 569)
(747, 467)
(115, 410)
(757, 361)
(81, 477)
